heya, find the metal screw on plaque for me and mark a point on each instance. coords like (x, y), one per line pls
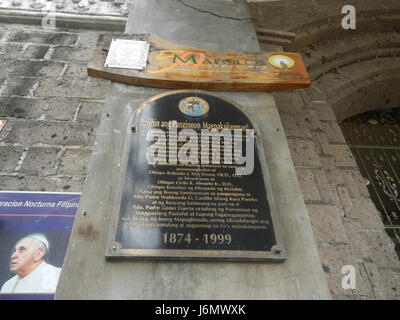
(115, 246)
(276, 249)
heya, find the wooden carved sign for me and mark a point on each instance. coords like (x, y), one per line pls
(173, 66)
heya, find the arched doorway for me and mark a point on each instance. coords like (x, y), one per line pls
(374, 139)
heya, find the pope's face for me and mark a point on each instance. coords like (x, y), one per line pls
(25, 254)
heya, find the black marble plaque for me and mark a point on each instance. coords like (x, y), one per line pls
(185, 198)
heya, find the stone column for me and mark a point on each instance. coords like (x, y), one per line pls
(215, 25)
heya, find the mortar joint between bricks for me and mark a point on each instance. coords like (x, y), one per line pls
(59, 156)
(373, 230)
(24, 48)
(319, 101)
(326, 156)
(67, 176)
(297, 138)
(309, 167)
(49, 53)
(3, 86)
(31, 92)
(78, 40)
(21, 159)
(12, 174)
(44, 145)
(76, 113)
(316, 202)
(63, 71)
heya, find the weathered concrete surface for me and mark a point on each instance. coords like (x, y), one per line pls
(176, 22)
(87, 275)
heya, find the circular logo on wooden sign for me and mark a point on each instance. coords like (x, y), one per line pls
(280, 61)
(194, 106)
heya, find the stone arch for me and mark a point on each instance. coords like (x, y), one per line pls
(357, 70)
(360, 65)
(351, 71)
(362, 86)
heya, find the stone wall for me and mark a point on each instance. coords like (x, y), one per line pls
(53, 108)
(352, 71)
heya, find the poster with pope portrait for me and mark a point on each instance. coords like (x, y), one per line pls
(35, 228)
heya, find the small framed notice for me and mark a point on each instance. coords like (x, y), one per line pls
(128, 54)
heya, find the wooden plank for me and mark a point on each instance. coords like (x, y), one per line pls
(174, 66)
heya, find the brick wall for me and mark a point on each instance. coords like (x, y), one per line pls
(351, 72)
(52, 106)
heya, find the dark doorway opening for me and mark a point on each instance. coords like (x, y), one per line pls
(374, 139)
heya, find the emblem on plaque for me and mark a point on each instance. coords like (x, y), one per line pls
(194, 106)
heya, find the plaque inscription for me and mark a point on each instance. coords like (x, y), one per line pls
(194, 185)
